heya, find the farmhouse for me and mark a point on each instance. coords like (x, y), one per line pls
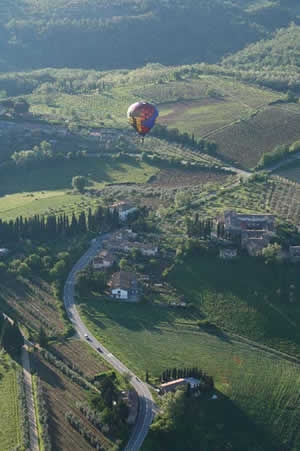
(173, 385)
(236, 222)
(123, 208)
(104, 260)
(124, 286)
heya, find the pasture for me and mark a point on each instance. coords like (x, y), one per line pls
(147, 337)
(10, 434)
(58, 176)
(244, 296)
(46, 190)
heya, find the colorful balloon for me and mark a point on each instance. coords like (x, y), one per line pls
(142, 116)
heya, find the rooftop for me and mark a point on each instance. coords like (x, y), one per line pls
(123, 279)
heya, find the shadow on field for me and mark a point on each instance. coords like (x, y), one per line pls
(135, 317)
(46, 373)
(224, 420)
(57, 175)
(247, 296)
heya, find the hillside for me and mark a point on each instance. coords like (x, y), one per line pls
(104, 34)
(282, 51)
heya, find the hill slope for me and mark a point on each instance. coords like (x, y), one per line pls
(128, 33)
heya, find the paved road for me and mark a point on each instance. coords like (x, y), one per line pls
(33, 433)
(146, 404)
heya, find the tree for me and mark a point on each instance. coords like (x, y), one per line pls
(12, 339)
(42, 337)
(78, 183)
(270, 252)
(183, 199)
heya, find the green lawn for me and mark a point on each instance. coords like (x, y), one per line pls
(10, 435)
(151, 338)
(245, 296)
(44, 191)
(58, 175)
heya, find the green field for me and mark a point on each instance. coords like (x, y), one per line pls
(58, 176)
(56, 183)
(197, 106)
(10, 435)
(245, 296)
(151, 338)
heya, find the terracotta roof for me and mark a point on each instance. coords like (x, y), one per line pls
(123, 280)
(171, 383)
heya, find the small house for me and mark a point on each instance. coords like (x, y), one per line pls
(173, 385)
(124, 285)
(104, 260)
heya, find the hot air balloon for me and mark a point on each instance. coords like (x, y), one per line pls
(142, 116)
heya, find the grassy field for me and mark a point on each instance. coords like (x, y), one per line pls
(245, 296)
(59, 177)
(151, 338)
(10, 435)
(55, 182)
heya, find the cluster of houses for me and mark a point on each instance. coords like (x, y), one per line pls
(123, 284)
(255, 232)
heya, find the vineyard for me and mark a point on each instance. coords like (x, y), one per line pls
(245, 141)
(76, 353)
(33, 304)
(62, 394)
(177, 178)
(283, 199)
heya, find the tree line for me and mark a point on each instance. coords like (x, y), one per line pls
(174, 135)
(206, 382)
(11, 338)
(44, 228)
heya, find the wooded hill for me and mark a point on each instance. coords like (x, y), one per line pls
(128, 33)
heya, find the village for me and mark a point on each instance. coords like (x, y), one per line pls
(232, 234)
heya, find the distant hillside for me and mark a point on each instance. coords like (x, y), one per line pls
(106, 34)
(282, 51)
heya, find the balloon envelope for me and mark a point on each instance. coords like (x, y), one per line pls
(142, 116)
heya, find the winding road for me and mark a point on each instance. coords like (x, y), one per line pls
(146, 404)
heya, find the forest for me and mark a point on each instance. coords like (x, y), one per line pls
(130, 33)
